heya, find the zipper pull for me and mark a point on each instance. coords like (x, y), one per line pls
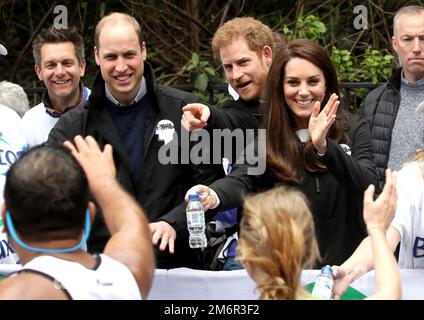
(317, 184)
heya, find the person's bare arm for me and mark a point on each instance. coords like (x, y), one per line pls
(130, 241)
(364, 259)
(387, 275)
(377, 215)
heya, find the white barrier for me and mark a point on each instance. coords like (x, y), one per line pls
(189, 284)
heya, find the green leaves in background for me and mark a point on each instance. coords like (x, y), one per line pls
(374, 65)
(201, 74)
(309, 27)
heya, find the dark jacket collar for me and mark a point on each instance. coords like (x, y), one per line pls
(394, 80)
(56, 114)
(254, 106)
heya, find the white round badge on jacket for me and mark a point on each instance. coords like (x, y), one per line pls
(165, 130)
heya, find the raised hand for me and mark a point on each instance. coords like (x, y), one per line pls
(195, 116)
(97, 164)
(379, 213)
(320, 122)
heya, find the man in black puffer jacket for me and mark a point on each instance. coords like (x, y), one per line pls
(397, 128)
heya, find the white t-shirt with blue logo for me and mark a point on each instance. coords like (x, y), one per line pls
(409, 219)
(12, 143)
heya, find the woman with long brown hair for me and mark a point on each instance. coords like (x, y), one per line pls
(313, 145)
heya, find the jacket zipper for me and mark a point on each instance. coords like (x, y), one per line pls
(318, 189)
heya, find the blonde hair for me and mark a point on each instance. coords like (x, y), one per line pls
(419, 157)
(256, 34)
(277, 237)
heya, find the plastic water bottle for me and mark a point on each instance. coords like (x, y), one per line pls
(323, 288)
(196, 222)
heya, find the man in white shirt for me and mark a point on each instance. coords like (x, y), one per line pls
(60, 65)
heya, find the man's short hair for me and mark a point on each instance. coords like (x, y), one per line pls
(53, 35)
(46, 193)
(409, 11)
(114, 18)
(256, 34)
(12, 95)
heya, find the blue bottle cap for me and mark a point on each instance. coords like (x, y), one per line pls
(327, 270)
(193, 196)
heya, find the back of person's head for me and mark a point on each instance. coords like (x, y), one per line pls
(46, 193)
(115, 18)
(407, 11)
(256, 34)
(12, 95)
(53, 35)
(277, 240)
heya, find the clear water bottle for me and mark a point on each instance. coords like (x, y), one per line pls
(323, 288)
(196, 222)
